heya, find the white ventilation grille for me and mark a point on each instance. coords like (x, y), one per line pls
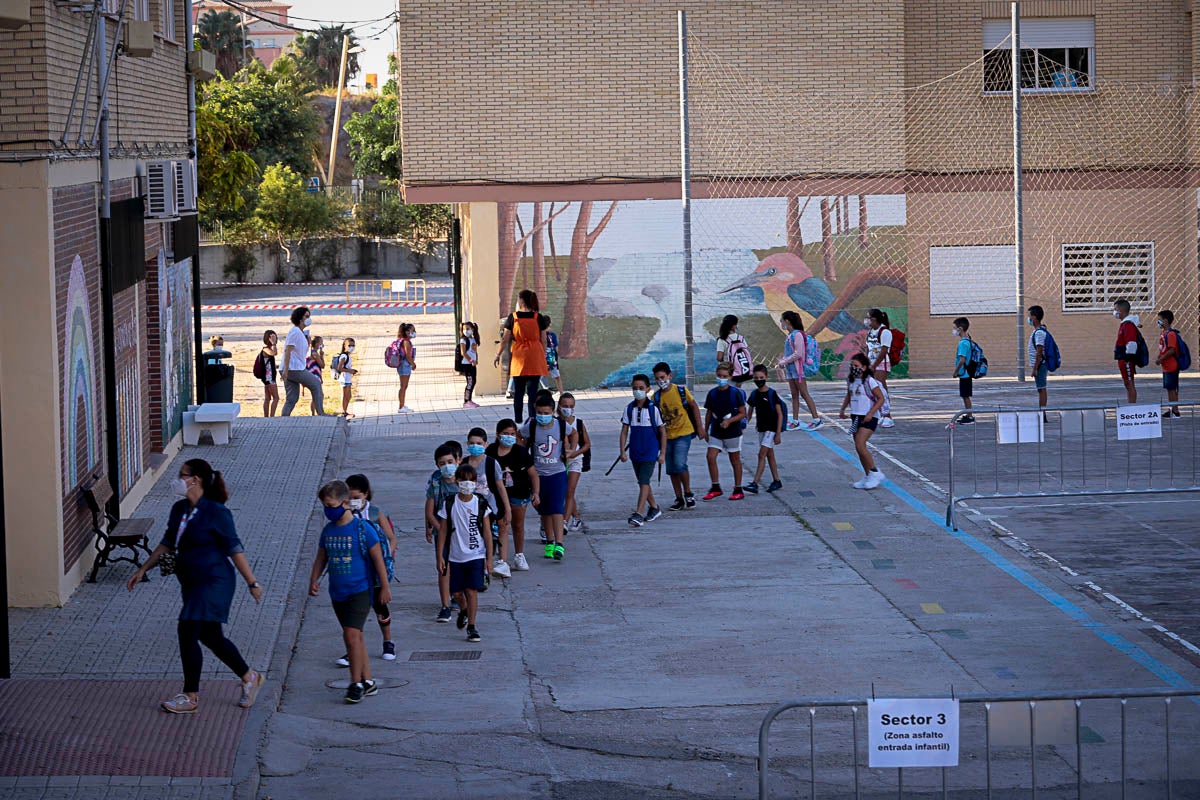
(161, 190)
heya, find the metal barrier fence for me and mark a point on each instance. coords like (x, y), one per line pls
(1073, 451)
(405, 290)
(1014, 727)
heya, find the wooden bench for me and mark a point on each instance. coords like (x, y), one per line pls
(113, 534)
(216, 418)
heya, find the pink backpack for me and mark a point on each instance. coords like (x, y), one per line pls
(392, 356)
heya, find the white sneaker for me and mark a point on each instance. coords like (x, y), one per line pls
(519, 563)
(874, 479)
(887, 422)
(861, 483)
(501, 569)
(406, 410)
(576, 524)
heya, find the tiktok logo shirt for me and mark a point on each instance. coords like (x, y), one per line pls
(547, 445)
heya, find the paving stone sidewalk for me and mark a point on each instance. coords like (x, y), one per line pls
(273, 468)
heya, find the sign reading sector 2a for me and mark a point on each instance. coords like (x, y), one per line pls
(913, 733)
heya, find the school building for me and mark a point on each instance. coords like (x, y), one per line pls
(96, 350)
(843, 156)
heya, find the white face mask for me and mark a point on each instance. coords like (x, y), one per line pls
(566, 412)
(663, 384)
(308, 322)
(1117, 314)
(957, 332)
(466, 487)
(866, 322)
(356, 503)
(179, 487)
(350, 349)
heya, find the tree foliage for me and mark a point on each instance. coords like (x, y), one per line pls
(421, 227)
(286, 212)
(374, 137)
(323, 50)
(225, 171)
(222, 33)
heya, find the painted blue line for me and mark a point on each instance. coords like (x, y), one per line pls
(1106, 633)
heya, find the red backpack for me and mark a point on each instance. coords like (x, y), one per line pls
(896, 351)
(260, 367)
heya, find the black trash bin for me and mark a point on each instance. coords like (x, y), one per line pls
(218, 377)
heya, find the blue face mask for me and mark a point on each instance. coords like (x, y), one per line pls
(476, 449)
(544, 419)
(448, 470)
(508, 440)
(334, 514)
(722, 381)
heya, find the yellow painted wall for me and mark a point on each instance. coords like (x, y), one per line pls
(29, 390)
(481, 285)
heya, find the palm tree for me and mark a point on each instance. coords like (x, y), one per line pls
(323, 49)
(222, 33)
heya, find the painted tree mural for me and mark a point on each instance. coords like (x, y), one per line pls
(574, 328)
(513, 240)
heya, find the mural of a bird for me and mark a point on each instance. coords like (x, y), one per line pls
(788, 284)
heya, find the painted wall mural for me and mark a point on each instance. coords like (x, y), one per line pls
(175, 336)
(611, 276)
(130, 394)
(81, 413)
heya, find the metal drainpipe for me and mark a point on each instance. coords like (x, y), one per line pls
(111, 429)
(197, 323)
(5, 659)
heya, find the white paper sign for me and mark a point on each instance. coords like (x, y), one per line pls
(1139, 422)
(1019, 427)
(913, 733)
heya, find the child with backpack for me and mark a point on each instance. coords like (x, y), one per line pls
(733, 350)
(266, 371)
(865, 397)
(362, 508)
(643, 431)
(521, 483)
(344, 371)
(801, 360)
(464, 546)
(442, 485)
(401, 355)
(553, 441)
(552, 364)
(1173, 357)
(1130, 350)
(880, 340)
(490, 483)
(724, 419)
(581, 463)
(351, 550)
(466, 361)
(315, 364)
(681, 416)
(1042, 353)
(769, 409)
(963, 367)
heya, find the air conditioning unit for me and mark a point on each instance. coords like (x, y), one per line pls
(161, 190)
(138, 39)
(185, 187)
(14, 14)
(201, 64)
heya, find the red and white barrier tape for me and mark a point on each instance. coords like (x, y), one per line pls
(271, 283)
(324, 306)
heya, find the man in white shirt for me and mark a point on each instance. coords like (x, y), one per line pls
(295, 350)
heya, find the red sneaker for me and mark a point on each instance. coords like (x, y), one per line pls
(713, 494)
(737, 495)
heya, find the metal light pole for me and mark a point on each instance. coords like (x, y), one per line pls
(685, 185)
(5, 658)
(1018, 210)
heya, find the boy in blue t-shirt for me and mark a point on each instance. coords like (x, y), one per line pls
(351, 550)
(962, 356)
(724, 410)
(643, 429)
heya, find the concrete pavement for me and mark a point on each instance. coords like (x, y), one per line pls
(642, 664)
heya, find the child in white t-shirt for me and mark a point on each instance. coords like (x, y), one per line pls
(343, 368)
(864, 396)
(464, 547)
(879, 350)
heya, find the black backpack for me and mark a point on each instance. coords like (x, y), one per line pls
(587, 456)
(483, 503)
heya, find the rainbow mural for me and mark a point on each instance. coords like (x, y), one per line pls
(79, 382)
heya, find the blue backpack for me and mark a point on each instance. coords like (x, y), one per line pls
(977, 365)
(1052, 353)
(1182, 353)
(812, 356)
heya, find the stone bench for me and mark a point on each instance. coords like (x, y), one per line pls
(216, 418)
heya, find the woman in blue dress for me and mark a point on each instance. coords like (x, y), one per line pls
(201, 534)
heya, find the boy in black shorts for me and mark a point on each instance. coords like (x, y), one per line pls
(464, 546)
(351, 550)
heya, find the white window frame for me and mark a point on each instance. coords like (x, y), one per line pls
(1053, 33)
(141, 10)
(1102, 295)
(169, 30)
(966, 280)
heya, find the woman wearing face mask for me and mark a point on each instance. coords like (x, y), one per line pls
(864, 396)
(525, 331)
(521, 482)
(201, 533)
(581, 463)
(293, 372)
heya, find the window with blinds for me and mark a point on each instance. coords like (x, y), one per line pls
(1094, 275)
(1057, 54)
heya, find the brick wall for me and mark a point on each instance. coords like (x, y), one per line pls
(76, 235)
(39, 65)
